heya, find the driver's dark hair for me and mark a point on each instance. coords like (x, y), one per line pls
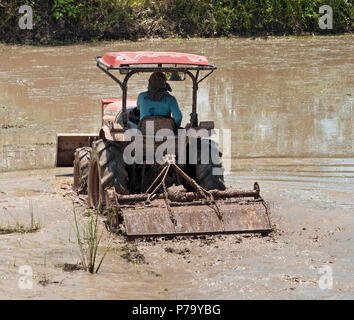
(158, 77)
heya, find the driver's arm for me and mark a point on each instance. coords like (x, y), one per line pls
(138, 104)
(176, 113)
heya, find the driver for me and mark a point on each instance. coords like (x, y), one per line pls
(157, 101)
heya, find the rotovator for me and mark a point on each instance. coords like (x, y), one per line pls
(165, 196)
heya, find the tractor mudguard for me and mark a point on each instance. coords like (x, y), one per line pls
(67, 143)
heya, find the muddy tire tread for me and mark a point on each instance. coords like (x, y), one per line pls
(81, 168)
(109, 158)
(204, 172)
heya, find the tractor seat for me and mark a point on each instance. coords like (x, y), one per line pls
(157, 123)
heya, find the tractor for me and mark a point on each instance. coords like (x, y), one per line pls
(158, 179)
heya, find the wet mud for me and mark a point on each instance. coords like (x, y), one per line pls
(313, 230)
(289, 105)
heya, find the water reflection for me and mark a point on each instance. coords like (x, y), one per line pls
(281, 97)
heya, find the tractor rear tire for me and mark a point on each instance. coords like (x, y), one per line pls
(81, 169)
(208, 175)
(107, 169)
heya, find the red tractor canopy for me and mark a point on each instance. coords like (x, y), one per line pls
(129, 63)
(113, 60)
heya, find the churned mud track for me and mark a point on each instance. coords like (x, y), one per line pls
(314, 227)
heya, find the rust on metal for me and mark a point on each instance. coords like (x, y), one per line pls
(192, 213)
(176, 211)
(197, 219)
(179, 194)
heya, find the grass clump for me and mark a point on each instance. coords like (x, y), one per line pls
(88, 240)
(18, 227)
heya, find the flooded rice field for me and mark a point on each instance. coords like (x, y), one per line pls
(289, 105)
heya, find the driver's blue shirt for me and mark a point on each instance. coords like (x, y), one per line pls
(165, 107)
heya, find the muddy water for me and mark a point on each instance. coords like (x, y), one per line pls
(289, 98)
(289, 105)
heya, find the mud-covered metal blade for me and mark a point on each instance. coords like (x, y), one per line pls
(198, 219)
